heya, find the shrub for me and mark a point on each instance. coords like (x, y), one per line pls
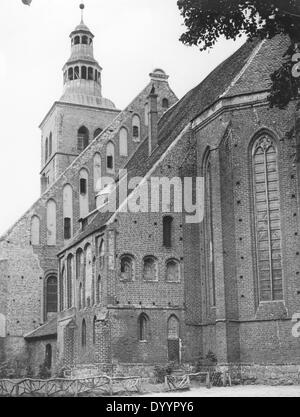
(161, 371)
(44, 371)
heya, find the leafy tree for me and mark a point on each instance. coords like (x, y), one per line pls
(208, 20)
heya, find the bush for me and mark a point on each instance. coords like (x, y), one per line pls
(210, 361)
(161, 371)
(44, 372)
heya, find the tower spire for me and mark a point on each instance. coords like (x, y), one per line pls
(82, 6)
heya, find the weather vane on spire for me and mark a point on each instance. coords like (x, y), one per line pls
(82, 6)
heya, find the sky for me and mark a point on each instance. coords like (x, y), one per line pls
(132, 37)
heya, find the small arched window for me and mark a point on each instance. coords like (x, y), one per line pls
(51, 294)
(143, 327)
(80, 297)
(88, 275)
(91, 74)
(165, 103)
(136, 127)
(172, 270)
(150, 269)
(35, 231)
(97, 132)
(110, 156)
(101, 253)
(51, 223)
(68, 211)
(94, 330)
(83, 193)
(82, 138)
(76, 73)
(48, 356)
(123, 141)
(83, 334)
(167, 231)
(97, 172)
(83, 73)
(46, 149)
(127, 268)
(85, 40)
(77, 40)
(173, 328)
(79, 263)
(71, 74)
(50, 144)
(69, 289)
(98, 290)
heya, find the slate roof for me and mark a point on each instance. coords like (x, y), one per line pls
(46, 330)
(232, 77)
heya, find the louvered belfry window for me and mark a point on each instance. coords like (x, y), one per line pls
(267, 219)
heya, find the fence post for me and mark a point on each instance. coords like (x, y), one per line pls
(111, 389)
(76, 388)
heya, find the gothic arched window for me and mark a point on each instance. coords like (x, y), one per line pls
(143, 325)
(165, 103)
(51, 223)
(80, 297)
(97, 172)
(267, 218)
(83, 334)
(94, 330)
(68, 211)
(173, 328)
(51, 294)
(101, 253)
(208, 232)
(172, 270)
(127, 268)
(150, 269)
(83, 193)
(77, 40)
(110, 156)
(97, 132)
(98, 290)
(69, 289)
(136, 127)
(88, 275)
(82, 138)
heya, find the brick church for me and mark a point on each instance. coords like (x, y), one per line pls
(82, 287)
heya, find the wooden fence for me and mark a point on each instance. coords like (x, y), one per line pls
(102, 385)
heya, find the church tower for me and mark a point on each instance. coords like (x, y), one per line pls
(81, 113)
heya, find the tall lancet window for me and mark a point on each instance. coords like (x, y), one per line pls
(208, 233)
(267, 218)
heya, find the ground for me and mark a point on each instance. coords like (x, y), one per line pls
(236, 391)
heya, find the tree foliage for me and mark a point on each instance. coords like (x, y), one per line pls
(208, 20)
